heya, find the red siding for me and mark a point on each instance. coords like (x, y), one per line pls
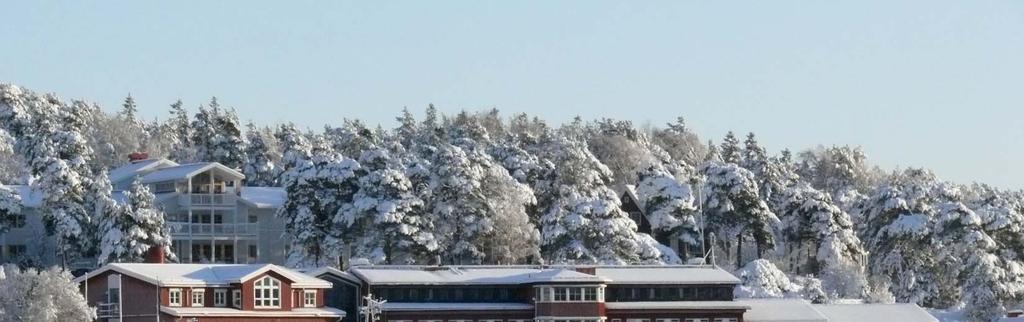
(138, 297)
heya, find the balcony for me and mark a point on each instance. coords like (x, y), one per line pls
(213, 230)
(208, 200)
(108, 310)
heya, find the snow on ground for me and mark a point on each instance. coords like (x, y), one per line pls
(948, 315)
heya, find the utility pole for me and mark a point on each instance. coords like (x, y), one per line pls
(371, 308)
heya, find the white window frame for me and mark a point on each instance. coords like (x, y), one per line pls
(174, 297)
(220, 297)
(551, 294)
(266, 299)
(201, 297)
(306, 298)
(236, 298)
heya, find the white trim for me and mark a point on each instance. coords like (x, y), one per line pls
(305, 302)
(229, 312)
(236, 298)
(202, 297)
(221, 295)
(275, 285)
(546, 293)
(170, 296)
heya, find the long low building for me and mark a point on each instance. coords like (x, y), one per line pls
(580, 294)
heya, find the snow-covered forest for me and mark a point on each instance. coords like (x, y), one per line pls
(821, 223)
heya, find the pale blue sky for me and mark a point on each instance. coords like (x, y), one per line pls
(916, 83)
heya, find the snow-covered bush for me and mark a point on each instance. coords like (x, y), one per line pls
(761, 279)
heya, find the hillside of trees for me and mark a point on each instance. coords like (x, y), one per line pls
(485, 188)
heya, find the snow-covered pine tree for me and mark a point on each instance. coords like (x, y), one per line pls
(670, 207)
(259, 167)
(584, 223)
(316, 189)
(385, 221)
(407, 128)
(898, 224)
(41, 295)
(204, 131)
(820, 239)
(762, 279)
(10, 208)
(228, 148)
(296, 150)
(133, 228)
(180, 133)
(735, 212)
(730, 151)
(129, 111)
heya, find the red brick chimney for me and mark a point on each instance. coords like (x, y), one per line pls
(155, 255)
(137, 156)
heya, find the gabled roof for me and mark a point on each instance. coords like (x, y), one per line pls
(264, 197)
(186, 171)
(327, 270)
(197, 275)
(469, 275)
(135, 167)
(902, 312)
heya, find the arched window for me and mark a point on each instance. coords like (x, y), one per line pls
(267, 293)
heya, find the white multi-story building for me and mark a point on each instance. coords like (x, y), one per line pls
(212, 217)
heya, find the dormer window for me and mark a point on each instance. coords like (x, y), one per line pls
(174, 297)
(198, 297)
(309, 298)
(267, 293)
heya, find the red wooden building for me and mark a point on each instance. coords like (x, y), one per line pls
(206, 292)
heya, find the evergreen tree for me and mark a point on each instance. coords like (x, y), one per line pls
(132, 229)
(129, 110)
(296, 150)
(385, 221)
(316, 189)
(584, 223)
(227, 146)
(820, 239)
(731, 149)
(734, 211)
(180, 133)
(259, 168)
(669, 205)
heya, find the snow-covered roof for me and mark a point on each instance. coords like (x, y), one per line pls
(232, 312)
(900, 312)
(133, 168)
(264, 197)
(677, 305)
(781, 310)
(327, 270)
(631, 191)
(469, 275)
(396, 306)
(186, 171)
(193, 275)
(666, 274)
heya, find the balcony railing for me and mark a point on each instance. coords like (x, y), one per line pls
(204, 229)
(220, 199)
(108, 310)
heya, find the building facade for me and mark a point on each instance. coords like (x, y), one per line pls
(552, 294)
(206, 292)
(211, 216)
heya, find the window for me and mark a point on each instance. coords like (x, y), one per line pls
(638, 320)
(590, 294)
(253, 252)
(668, 320)
(575, 294)
(16, 250)
(19, 220)
(309, 298)
(725, 319)
(236, 298)
(174, 296)
(545, 294)
(253, 219)
(490, 320)
(560, 294)
(696, 320)
(198, 297)
(267, 293)
(220, 297)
